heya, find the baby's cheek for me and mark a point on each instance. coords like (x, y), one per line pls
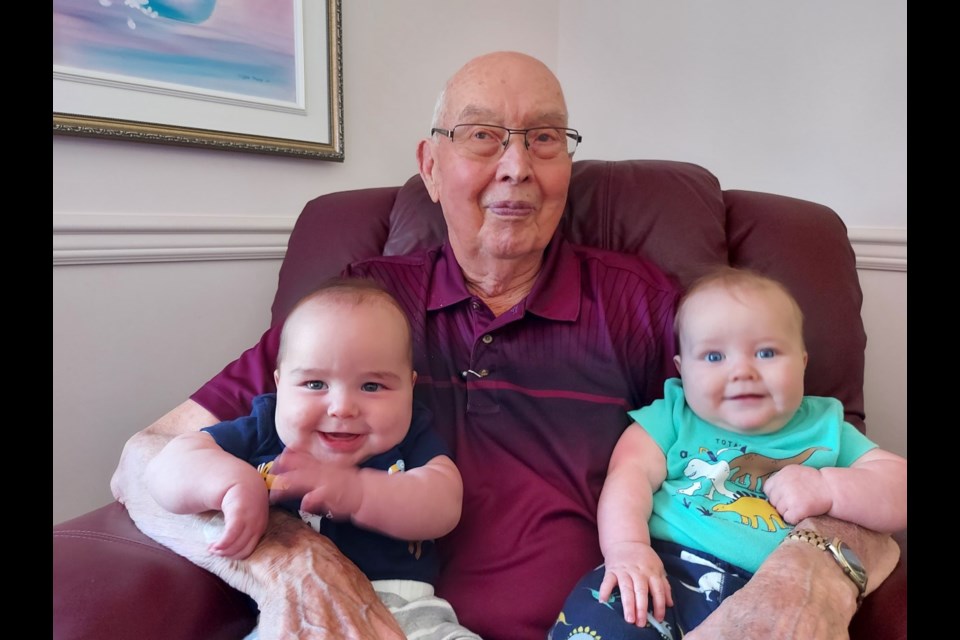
(288, 426)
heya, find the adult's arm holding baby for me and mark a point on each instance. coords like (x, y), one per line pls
(299, 580)
(821, 601)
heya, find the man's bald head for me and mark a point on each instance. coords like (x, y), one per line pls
(518, 72)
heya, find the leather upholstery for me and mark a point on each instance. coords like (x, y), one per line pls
(110, 581)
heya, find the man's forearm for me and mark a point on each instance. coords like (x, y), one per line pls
(306, 589)
(799, 592)
(302, 584)
(187, 535)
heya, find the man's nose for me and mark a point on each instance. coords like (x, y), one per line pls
(516, 162)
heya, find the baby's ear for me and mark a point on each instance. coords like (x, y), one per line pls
(805, 358)
(676, 362)
(414, 381)
(276, 377)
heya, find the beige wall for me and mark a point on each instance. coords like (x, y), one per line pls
(165, 258)
(882, 267)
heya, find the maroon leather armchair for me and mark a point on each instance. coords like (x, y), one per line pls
(111, 581)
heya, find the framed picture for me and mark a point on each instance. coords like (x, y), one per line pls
(239, 75)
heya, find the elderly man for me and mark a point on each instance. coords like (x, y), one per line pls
(529, 352)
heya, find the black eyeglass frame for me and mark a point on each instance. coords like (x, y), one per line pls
(572, 134)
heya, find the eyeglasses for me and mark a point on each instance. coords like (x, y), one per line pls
(489, 140)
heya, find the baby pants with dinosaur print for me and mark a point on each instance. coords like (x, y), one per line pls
(699, 582)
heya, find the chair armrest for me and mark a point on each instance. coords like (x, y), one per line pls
(112, 581)
(883, 615)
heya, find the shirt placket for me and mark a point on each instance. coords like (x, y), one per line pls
(480, 375)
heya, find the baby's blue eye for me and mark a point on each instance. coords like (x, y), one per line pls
(371, 386)
(315, 385)
(765, 353)
(713, 356)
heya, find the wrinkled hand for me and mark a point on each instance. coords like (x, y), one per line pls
(306, 589)
(245, 511)
(322, 487)
(639, 572)
(797, 594)
(798, 492)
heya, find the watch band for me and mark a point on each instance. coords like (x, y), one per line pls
(834, 548)
(810, 537)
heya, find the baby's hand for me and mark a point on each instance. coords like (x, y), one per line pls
(324, 488)
(798, 492)
(245, 510)
(638, 571)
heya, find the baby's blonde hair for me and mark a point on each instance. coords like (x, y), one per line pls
(733, 278)
(351, 291)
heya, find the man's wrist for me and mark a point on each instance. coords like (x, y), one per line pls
(828, 550)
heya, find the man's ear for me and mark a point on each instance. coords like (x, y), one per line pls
(426, 164)
(676, 362)
(805, 357)
(414, 381)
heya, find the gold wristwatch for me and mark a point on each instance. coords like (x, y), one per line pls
(844, 556)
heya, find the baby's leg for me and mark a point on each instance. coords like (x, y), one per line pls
(699, 582)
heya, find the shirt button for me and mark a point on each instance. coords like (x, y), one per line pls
(487, 339)
(483, 373)
(475, 305)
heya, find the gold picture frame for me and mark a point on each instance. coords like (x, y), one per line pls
(92, 99)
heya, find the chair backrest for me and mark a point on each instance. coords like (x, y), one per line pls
(673, 212)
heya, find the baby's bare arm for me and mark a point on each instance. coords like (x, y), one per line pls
(418, 504)
(637, 468)
(191, 474)
(872, 492)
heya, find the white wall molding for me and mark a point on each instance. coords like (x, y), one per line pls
(118, 239)
(879, 249)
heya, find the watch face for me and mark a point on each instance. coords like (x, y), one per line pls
(854, 568)
(851, 557)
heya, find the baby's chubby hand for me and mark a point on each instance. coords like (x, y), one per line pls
(323, 487)
(245, 512)
(798, 492)
(638, 571)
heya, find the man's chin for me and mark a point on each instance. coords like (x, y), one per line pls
(514, 246)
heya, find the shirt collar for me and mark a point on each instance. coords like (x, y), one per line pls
(555, 294)
(446, 283)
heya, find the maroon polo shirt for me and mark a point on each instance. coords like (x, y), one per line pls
(531, 404)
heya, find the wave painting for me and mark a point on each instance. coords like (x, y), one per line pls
(247, 50)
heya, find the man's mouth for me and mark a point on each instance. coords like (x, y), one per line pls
(511, 208)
